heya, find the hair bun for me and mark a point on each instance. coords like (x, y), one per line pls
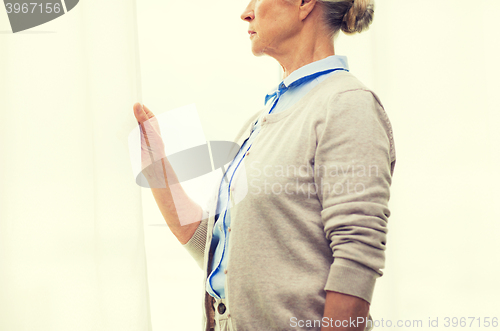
(359, 17)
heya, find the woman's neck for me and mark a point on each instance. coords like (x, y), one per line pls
(303, 56)
(313, 43)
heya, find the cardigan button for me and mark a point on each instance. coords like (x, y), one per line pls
(221, 308)
(248, 153)
(225, 271)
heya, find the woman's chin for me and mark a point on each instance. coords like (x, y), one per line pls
(257, 51)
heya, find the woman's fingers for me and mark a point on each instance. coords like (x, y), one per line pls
(140, 114)
(152, 146)
(148, 112)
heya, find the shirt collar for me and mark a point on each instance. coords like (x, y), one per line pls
(309, 72)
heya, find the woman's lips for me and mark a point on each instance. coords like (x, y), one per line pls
(251, 33)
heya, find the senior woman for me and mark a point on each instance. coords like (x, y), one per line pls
(303, 249)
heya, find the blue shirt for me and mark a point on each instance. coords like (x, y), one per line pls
(288, 92)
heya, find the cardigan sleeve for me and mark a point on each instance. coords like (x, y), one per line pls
(196, 245)
(353, 167)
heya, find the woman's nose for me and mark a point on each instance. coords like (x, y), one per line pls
(248, 14)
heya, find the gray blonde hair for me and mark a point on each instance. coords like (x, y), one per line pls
(350, 16)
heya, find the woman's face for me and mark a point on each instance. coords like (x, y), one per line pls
(273, 24)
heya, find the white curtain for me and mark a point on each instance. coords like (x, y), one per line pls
(72, 253)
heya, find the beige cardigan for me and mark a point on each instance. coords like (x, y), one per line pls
(315, 213)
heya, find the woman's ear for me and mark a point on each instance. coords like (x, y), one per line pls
(306, 8)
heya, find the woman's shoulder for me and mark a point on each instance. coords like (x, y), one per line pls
(342, 81)
(342, 94)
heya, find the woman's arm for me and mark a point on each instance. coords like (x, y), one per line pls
(170, 210)
(353, 166)
(182, 214)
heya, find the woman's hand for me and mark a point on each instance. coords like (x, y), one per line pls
(152, 147)
(345, 312)
(181, 213)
